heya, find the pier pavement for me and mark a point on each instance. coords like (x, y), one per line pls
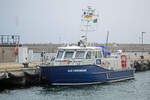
(14, 65)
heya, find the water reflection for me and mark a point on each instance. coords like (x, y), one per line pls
(87, 90)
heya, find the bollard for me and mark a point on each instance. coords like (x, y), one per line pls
(26, 65)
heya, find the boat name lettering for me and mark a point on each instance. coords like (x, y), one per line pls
(77, 70)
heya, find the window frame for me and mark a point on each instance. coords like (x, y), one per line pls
(66, 53)
(61, 55)
(80, 57)
(90, 55)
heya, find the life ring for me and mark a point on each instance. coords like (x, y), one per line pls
(123, 60)
(16, 50)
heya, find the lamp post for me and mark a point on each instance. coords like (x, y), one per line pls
(142, 43)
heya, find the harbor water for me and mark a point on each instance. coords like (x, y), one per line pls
(136, 89)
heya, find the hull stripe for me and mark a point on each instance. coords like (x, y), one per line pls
(121, 79)
(92, 82)
(77, 83)
(118, 77)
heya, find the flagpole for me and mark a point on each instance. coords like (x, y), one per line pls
(89, 18)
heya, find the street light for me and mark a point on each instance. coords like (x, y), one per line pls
(142, 42)
(142, 36)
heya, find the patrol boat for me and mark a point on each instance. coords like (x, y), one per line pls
(83, 64)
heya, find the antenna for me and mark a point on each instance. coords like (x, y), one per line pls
(59, 39)
(139, 39)
(17, 21)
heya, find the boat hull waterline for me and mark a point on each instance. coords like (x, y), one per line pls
(83, 74)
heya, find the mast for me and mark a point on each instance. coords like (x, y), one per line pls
(107, 40)
(89, 20)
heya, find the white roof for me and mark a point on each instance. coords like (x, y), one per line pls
(78, 47)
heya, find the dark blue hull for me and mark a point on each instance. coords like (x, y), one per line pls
(83, 74)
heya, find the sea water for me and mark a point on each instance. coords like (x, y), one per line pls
(136, 89)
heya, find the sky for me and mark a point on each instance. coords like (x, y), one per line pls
(55, 21)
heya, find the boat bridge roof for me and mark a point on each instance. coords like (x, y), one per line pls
(80, 48)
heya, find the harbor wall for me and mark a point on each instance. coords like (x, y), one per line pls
(7, 54)
(37, 48)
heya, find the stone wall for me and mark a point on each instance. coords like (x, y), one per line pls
(7, 54)
(38, 48)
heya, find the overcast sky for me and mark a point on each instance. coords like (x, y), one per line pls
(45, 21)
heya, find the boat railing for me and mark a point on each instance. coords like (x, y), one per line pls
(115, 64)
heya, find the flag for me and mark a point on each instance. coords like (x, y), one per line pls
(95, 20)
(90, 17)
(85, 16)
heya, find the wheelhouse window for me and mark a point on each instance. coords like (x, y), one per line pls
(60, 54)
(95, 54)
(88, 55)
(99, 54)
(79, 54)
(68, 54)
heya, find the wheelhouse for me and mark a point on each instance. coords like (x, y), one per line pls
(75, 54)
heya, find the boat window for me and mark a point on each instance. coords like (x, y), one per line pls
(95, 53)
(99, 54)
(88, 55)
(80, 54)
(68, 54)
(60, 54)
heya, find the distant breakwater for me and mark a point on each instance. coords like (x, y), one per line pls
(37, 48)
(7, 50)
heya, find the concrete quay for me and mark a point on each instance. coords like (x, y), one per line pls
(14, 74)
(140, 63)
(14, 65)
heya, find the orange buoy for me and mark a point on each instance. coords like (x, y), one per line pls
(16, 50)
